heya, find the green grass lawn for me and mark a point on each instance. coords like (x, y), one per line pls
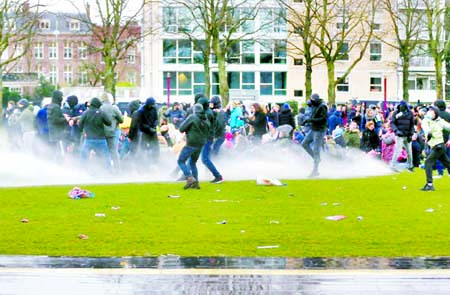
(148, 223)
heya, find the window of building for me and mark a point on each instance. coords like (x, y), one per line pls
(169, 51)
(272, 52)
(131, 78)
(131, 56)
(273, 20)
(180, 83)
(68, 74)
(265, 52)
(199, 82)
(342, 86)
(53, 74)
(375, 83)
(298, 93)
(52, 51)
(198, 49)
(421, 83)
(68, 50)
(83, 78)
(177, 20)
(184, 52)
(298, 61)
(82, 52)
(234, 54)
(39, 69)
(248, 80)
(273, 83)
(375, 51)
(343, 54)
(280, 52)
(44, 24)
(248, 51)
(39, 50)
(74, 25)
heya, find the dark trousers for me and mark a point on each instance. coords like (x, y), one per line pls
(438, 152)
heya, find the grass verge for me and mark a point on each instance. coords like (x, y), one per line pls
(395, 221)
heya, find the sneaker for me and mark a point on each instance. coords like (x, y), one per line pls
(428, 188)
(218, 179)
(195, 185)
(190, 182)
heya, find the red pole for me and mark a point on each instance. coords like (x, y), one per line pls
(385, 93)
(168, 90)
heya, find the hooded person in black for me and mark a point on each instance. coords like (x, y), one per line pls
(402, 123)
(92, 125)
(216, 134)
(315, 136)
(57, 123)
(148, 123)
(197, 128)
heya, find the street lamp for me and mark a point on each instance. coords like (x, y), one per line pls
(385, 92)
(168, 89)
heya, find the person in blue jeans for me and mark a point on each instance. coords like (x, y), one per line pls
(197, 128)
(92, 125)
(216, 136)
(315, 136)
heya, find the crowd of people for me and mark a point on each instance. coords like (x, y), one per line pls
(404, 136)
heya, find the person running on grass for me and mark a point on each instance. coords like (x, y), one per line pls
(433, 127)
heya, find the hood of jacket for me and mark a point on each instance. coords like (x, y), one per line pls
(95, 103)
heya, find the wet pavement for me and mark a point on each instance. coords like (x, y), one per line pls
(223, 275)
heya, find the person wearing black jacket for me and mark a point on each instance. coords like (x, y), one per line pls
(147, 120)
(402, 124)
(443, 114)
(315, 136)
(258, 121)
(286, 117)
(216, 135)
(57, 123)
(197, 128)
(92, 125)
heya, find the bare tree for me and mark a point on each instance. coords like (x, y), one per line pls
(17, 27)
(217, 27)
(406, 20)
(344, 33)
(436, 14)
(114, 30)
(303, 29)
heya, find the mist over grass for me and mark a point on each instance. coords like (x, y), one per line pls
(267, 160)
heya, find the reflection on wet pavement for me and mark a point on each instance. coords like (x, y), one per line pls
(223, 275)
(177, 262)
(139, 281)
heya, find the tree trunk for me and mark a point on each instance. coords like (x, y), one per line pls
(308, 78)
(223, 79)
(439, 82)
(207, 69)
(1, 98)
(405, 77)
(331, 83)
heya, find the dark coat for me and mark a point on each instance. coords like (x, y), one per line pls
(93, 121)
(197, 128)
(318, 118)
(285, 117)
(370, 140)
(259, 123)
(148, 120)
(402, 122)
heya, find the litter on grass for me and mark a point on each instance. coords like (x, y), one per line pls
(83, 237)
(274, 222)
(173, 197)
(429, 210)
(221, 222)
(100, 215)
(115, 208)
(268, 247)
(360, 218)
(77, 193)
(24, 220)
(268, 181)
(336, 217)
